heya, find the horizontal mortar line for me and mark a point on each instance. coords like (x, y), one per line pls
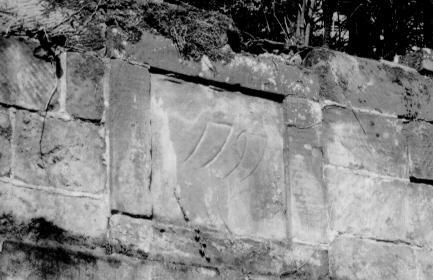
(321, 245)
(151, 258)
(136, 63)
(366, 173)
(54, 190)
(59, 115)
(14, 106)
(273, 96)
(418, 180)
(375, 240)
(326, 103)
(222, 234)
(131, 215)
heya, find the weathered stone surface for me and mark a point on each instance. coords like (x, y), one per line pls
(25, 80)
(308, 193)
(67, 155)
(19, 261)
(198, 247)
(365, 260)
(130, 138)
(84, 86)
(369, 84)
(379, 208)
(79, 215)
(268, 73)
(362, 141)
(5, 142)
(420, 142)
(302, 113)
(425, 264)
(25, 261)
(367, 206)
(210, 248)
(217, 159)
(420, 216)
(426, 66)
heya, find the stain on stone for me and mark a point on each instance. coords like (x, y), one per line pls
(42, 263)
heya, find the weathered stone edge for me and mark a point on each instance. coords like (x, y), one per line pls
(39, 232)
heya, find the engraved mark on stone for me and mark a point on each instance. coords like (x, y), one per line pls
(255, 152)
(219, 150)
(211, 143)
(197, 144)
(219, 141)
(241, 136)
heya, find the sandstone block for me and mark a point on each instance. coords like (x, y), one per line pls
(308, 193)
(217, 159)
(361, 141)
(426, 66)
(198, 247)
(66, 155)
(266, 73)
(367, 206)
(79, 215)
(420, 217)
(5, 142)
(372, 85)
(420, 142)
(364, 260)
(24, 261)
(84, 86)
(25, 81)
(130, 138)
(425, 264)
(302, 113)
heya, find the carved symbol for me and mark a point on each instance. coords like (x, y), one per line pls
(219, 147)
(210, 144)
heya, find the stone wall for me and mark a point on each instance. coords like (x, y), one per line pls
(153, 167)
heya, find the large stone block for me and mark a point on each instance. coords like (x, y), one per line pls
(420, 217)
(130, 138)
(379, 208)
(367, 206)
(266, 72)
(362, 141)
(217, 159)
(424, 260)
(304, 157)
(84, 86)
(25, 80)
(352, 258)
(58, 153)
(420, 142)
(80, 215)
(372, 85)
(25, 261)
(209, 248)
(302, 113)
(5, 142)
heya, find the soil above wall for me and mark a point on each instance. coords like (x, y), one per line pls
(83, 25)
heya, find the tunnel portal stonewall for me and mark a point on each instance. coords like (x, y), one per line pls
(151, 166)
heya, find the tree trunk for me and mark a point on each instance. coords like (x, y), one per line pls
(309, 21)
(428, 23)
(328, 10)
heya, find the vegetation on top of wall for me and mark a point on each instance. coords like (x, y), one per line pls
(194, 31)
(219, 28)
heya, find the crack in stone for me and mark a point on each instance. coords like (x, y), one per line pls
(182, 209)
(135, 216)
